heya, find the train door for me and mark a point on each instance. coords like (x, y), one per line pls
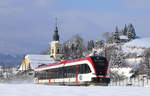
(84, 73)
(64, 74)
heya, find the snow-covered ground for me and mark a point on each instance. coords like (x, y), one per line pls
(47, 90)
(136, 46)
(140, 42)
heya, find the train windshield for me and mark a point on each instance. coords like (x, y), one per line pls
(100, 64)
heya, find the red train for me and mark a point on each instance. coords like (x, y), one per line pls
(91, 70)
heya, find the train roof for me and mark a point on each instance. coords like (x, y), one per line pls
(68, 61)
(63, 62)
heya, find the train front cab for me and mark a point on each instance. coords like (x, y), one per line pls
(101, 71)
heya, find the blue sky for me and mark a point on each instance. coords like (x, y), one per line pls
(26, 26)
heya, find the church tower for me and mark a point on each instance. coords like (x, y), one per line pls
(55, 45)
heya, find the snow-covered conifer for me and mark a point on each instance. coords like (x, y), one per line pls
(131, 32)
(90, 45)
(125, 30)
(116, 35)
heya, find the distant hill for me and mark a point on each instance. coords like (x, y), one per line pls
(10, 60)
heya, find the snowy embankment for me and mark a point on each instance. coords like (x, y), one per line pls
(47, 90)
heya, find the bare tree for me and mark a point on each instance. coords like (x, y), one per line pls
(73, 48)
(147, 60)
(106, 35)
(90, 45)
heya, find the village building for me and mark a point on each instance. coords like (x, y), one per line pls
(32, 61)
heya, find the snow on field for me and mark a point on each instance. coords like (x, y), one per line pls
(47, 90)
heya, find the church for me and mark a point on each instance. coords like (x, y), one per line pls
(31, 61)
(55, 46)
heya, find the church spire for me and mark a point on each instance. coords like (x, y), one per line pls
(56, 35)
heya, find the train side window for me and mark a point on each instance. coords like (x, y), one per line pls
(60, 73)
(81, 69)
(87, 69)
(68, 71)
(74, 70)
(84, 68)
(49, 73)
(45, 75)
(55, 73)
(65, 72)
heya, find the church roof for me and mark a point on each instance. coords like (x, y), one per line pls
(56, 35)
(36, 60)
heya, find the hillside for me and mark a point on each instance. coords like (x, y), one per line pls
(140, 42)
(136, 46)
